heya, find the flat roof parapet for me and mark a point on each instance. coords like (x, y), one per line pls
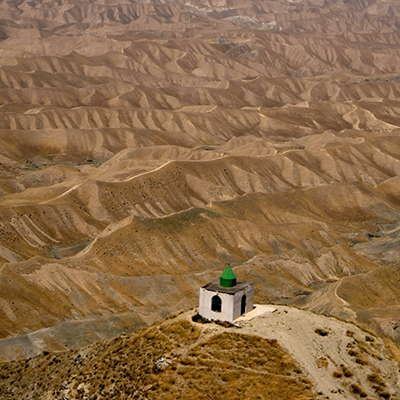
(214, 286)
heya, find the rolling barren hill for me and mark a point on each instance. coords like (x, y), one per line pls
(145, 144)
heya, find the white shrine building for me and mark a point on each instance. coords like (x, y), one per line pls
(226, 299)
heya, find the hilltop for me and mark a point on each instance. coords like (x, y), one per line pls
(279, 352)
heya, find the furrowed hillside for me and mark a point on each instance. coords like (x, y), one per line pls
(145, 144)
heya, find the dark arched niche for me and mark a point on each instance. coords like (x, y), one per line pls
(216, 304)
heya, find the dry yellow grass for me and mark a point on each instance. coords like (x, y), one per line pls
(227, 365)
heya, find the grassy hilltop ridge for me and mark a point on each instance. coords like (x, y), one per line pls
(281, 354)
(197, 366)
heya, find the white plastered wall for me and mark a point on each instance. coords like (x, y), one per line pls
(231, 304)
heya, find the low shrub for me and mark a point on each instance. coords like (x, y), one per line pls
(337, 374)
(357, 390)
(375, 378)
(347, 372)
(225, 324)
(200, 320)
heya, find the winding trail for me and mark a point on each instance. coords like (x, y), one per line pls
(319, 356)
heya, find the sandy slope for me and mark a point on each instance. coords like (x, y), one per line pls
(320, 356)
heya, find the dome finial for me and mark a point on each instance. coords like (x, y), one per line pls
(228, 278)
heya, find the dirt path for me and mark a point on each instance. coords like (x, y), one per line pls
(319, 354)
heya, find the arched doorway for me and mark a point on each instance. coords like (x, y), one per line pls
(243, 308)
(216, 304)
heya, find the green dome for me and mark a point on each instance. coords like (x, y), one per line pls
(228, 278)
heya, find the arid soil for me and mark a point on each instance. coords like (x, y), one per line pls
(145, 144)
(337, 356)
